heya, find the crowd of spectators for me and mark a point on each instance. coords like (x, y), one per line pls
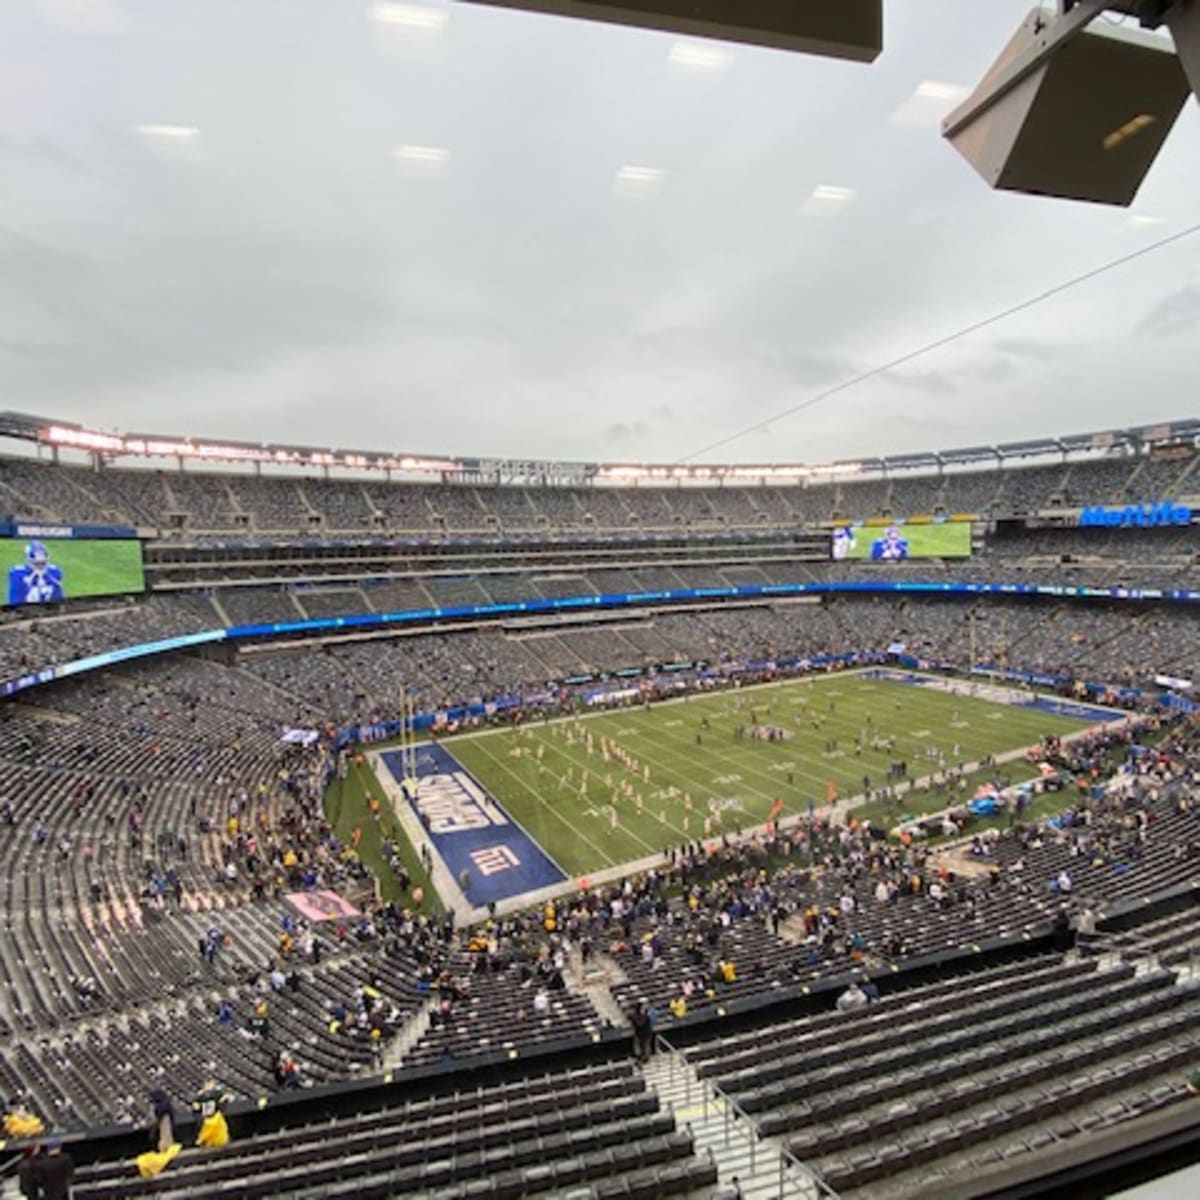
(155, 809)
(189, 503)
(159, 799)
(360, 681)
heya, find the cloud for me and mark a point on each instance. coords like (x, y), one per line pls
(1028, 347)
(1174, 313)
(33, 349)
(997, 370)
(623, 432)
(285, 281)
(41, 151)
(84, 16)
(813, 369)
(932, 383)
(153, 308)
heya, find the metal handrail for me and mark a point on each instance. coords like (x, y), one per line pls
(1119, 940)
(789, 1162)
(810, 1181)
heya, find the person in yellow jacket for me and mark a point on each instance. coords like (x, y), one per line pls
(209, 1106)
(162, 1130)
(20, 1121)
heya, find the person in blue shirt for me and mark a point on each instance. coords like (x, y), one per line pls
(37, 580)
(891, 545)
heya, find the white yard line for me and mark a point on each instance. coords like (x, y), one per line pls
(582, 764)
(756, 771)
(550, 809)
(814, 680)
(614, 710)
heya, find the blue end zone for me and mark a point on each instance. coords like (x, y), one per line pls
(471, 832)
(1071, 708)
(1048, 704)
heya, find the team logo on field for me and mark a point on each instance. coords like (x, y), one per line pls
(455, 804)
(494, 859)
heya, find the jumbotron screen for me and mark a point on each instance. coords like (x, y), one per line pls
(51, 570)
(895, 543)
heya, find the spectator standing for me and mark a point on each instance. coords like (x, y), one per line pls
(643, 1033)
(48, 1174)
(210, 1106)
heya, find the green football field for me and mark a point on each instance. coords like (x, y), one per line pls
(705, 780)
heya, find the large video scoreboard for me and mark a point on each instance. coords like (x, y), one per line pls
(51, 564)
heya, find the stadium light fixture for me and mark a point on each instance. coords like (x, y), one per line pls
(409, 16)
(850, 29)
(422, 162)
(167, 133)
(109, 444)
(638, 181)
(1080, 110)
(827, 200)
(699, 56)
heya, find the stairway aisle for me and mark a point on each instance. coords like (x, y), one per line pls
(747, 1166)
(413, 1031)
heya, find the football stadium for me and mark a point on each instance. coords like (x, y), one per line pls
(813, 820)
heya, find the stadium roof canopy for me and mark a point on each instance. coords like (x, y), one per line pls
(1025, 128)
(105, 446)
(1031, 449)
(974, 454)
(850, 29)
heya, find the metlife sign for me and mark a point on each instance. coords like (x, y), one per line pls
(1141, 516)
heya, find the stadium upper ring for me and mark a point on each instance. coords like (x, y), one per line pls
(64, 435)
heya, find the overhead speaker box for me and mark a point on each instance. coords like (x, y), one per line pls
(1085, 125)
(850, 29)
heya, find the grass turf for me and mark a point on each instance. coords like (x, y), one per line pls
(348, 807)
(698, 773)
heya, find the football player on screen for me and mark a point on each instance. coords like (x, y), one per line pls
(843, 542)
(37, 580)
(891, 545)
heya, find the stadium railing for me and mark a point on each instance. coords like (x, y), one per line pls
(794, 1178)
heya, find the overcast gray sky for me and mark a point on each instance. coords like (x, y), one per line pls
(289, 219)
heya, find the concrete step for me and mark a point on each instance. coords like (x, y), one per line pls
(744, 1160)
(413, 1031)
